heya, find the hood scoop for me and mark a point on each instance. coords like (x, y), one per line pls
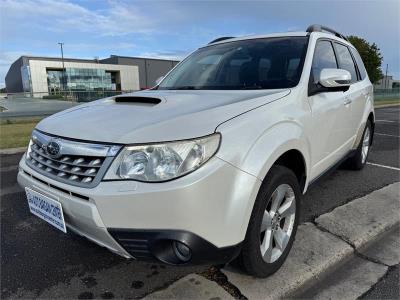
(137, 100)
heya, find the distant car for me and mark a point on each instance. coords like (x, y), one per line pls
(210, 164)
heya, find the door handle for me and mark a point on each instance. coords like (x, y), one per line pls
(347, 101)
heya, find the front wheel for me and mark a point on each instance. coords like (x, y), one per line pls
(273, 223)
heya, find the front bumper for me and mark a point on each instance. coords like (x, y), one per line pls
(159, 244)
(207, 210)
(80, 213)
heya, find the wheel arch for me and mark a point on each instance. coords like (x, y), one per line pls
(291, 154)
(371, 118)
(294, 160)
(369, 115)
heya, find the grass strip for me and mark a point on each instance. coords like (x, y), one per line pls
(378, 103)
(16, 132)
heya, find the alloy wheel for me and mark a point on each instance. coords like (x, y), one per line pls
(365, 145)
(277, 223)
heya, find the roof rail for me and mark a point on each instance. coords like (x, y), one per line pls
(221, 39)
(320, 28)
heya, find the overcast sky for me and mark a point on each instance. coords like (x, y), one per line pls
(171, 29)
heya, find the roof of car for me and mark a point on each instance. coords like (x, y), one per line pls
(281, 34)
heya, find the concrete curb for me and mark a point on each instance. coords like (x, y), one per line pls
(365, 218)
(12, 151)
(369, 265)
(318, 250)
(13, 115)
(345, 282)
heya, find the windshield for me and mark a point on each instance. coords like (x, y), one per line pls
(269, 63)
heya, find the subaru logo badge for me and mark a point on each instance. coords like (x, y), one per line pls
(53, 148)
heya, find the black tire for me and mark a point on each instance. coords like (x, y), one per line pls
(250, 258)
(356, 162)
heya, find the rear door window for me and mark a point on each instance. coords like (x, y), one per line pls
(346, 61)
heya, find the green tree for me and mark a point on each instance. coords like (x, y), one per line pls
(371, 56)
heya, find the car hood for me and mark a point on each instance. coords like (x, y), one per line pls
(178, 115)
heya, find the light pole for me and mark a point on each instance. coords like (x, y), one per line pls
(386, 78)
(63, 68)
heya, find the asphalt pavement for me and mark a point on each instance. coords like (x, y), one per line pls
(37, 260)
(387, 288)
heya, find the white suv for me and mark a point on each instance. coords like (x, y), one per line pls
(210, 164)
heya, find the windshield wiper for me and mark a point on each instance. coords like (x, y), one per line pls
(252, 87)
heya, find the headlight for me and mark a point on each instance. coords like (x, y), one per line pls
(161, 162)
(29, 150)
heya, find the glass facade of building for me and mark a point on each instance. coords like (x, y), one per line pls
(54, 80)
(80, 80)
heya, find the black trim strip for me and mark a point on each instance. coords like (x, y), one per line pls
(331, 169)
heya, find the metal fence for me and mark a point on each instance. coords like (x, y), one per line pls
(72, 96)
(386, 94)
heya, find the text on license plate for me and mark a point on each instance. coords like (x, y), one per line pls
(46, 208)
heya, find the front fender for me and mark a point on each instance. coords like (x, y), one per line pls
(256, 151)
(274, 142)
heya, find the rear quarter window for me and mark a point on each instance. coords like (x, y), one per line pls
(360, 63)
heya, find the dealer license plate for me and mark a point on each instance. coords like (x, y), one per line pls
(46, 208)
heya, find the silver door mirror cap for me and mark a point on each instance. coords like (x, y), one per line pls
(333, 78)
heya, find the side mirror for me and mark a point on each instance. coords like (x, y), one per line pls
(159, 79)
(335, 78)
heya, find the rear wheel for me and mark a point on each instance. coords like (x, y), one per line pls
(273, 223)
(358, 161)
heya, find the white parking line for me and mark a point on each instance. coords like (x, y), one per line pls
(377, 133)
(386, 121)
(383, 166)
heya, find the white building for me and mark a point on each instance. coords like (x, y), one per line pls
(43, 76)
(111, 77)
(387, 82)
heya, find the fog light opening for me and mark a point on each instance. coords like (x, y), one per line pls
(182, 251)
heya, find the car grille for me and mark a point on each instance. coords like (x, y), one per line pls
(74, 168)
(76, 163)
